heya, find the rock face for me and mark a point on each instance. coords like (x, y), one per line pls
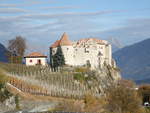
(107, 76)
(134, 61)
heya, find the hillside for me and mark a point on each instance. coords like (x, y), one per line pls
(54, 83)
(134, 61)
(40, 82)
(3, 51)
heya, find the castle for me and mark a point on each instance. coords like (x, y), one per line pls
(85, 51)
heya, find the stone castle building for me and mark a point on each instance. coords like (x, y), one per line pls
(90, 50)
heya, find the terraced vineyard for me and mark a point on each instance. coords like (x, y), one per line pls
(42, 81)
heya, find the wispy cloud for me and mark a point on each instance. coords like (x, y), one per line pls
(66, 14)
(61, 7)
(12, 10)
(26, 3)
(8, 5)
(135, 30)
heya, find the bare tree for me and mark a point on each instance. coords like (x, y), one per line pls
(17, 48)
(17, 45)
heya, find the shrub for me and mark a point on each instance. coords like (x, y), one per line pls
(147, 110)
(93, 104)
(79, 76)
(4, 93)
(123, 99)
(17, 102)
(69, 106)
(144, 91)
(81, 69)
(3, 77)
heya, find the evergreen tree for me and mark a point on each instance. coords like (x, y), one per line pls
(60, 56)
(58, 59)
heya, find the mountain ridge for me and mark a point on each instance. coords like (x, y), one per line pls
(134, 60)
(3, 51)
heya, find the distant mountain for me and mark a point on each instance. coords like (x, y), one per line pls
(3, 51)
(134, 61)
(143, 81)
(116, 44)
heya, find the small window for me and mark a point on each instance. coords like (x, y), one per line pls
(100, 54)
(30, 60)
(67, 48)
(86, 51)
(101, 47)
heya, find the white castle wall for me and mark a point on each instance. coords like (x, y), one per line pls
(78, 55)
(68, 54)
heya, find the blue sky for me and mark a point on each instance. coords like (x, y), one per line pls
(42, 22)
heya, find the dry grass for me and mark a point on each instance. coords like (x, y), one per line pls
(3, 77)
(93, 104)
(70, 106)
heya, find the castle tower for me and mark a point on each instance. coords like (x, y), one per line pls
(108, 54)
(67, 49)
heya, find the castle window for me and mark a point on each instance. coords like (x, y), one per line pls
(67, 48)
(86, 51)
(101, 47)
(100, 54)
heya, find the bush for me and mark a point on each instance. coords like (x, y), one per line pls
(123, 99)
(69, 106)
(147, 110)
(93, 104)
(3, 77)
(79, 76)
(4, 93)
(17, 102)
(81, 69)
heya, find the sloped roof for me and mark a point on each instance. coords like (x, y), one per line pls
(98, 41)
(35, 54)
(55, 44)
(64, 41)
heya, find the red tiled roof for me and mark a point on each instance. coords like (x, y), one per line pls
(56, 44)
(36, 54)
(64, 41)
(94, 39)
